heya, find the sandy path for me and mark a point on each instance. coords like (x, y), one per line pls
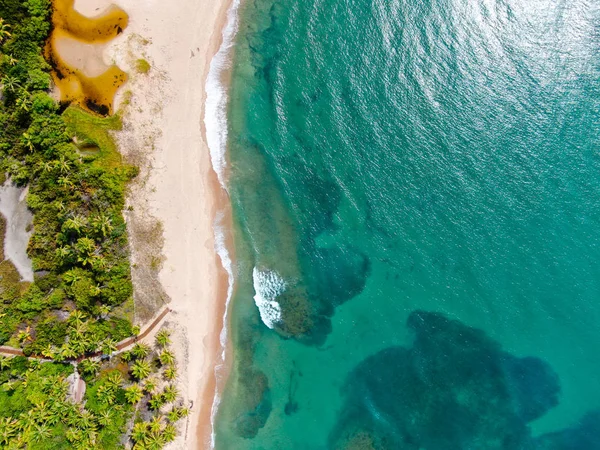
(162, 122)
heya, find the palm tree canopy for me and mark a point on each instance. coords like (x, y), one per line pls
(140, 369)
(162, 338)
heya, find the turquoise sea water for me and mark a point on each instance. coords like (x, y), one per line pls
(416, 196)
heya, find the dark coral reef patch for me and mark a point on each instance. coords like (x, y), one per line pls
(455, 388)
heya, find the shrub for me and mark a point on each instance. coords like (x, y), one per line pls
(142, 66)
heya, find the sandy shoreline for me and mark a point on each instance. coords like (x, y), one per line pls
(163, 132)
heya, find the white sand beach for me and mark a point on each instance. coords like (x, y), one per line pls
(162, 113)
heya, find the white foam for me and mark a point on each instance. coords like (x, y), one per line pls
(215, 122)
(268, 285)
(227, 263)
(215, 111)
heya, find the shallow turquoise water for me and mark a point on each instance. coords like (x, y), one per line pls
(416, 192)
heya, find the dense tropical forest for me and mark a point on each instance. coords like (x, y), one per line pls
(80, 303)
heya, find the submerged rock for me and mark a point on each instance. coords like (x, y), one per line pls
(455, 388)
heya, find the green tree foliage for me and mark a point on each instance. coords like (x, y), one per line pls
(140, 350)
(79, 243)
(134, 394)
(140, 369)
(79, 252)
(163, 338)
(166, 357)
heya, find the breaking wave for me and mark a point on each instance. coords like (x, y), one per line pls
(268, 285)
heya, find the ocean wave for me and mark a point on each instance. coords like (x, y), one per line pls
(215, 111)
(215, 122)
(227, 263)
(268, 285)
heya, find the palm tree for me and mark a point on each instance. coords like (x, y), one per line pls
(41, 410)
(173, 415)
(105, 394)
(88, 367)
(115, 379)
(102, 224)
(63, 164)
(139, 431)
(76, 316)
(60, 388)
(4, 362)
(40, 433)
(170, 393)
(24, 335)
(141, 445)
(68, 352)
(104, 417)
(74, 435)
(85, 246)
(109, 346)
(183, 412)
(133, 394)
(47, 166)
(98, 264)
(8, 429)
(170, 372)
(140, 369)
(156, 402)
(162, 338)
(80, 328)
(169, 433)
(64, 254)
(166, 357)
(49, 352)
(65, 182)
(24, 102)
(86, 420)
(156, 424)
(4, 33)
(90, 442)
(150, 385)
(28, 142)
(10, 83)
(155, 441)
(126, 356)
(58, 357)
(75, 224)
(104, 311)
(140, 350)
(26, 421)
(86, 260)
(79, 344)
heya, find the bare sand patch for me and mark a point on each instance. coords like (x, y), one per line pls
(172, 203)
(18, 228)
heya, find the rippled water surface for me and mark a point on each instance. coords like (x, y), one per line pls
(416, 192)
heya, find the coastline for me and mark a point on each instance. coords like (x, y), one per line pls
(177, 192)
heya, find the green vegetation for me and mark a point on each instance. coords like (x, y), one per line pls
(79, 242)
(142, 66)
(80, 303)
(38, 411)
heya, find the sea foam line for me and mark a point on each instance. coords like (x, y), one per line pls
(215, 109)
(215, 123)
(227, 264)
